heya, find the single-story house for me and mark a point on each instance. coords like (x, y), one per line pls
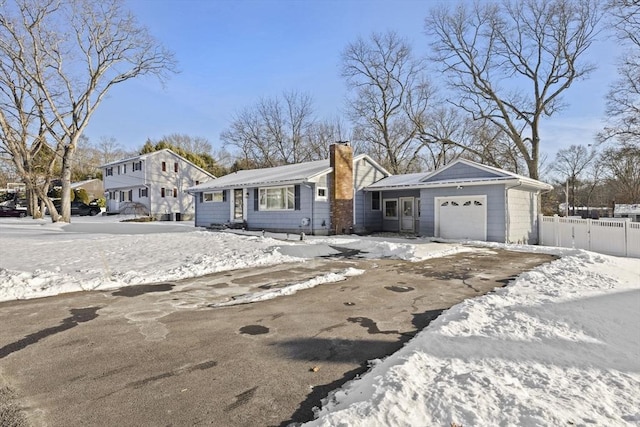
(631, 211)
(343, 194)
(462, 200)
(152, 184)
(318, 197)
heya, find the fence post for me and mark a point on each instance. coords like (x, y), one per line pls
(626, 237)
(589, 233)
(556, 230)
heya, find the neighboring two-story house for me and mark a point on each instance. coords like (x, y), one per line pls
(153, 184)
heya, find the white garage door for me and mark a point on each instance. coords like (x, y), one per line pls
(462, 217)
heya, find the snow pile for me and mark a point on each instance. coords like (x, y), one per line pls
(389, 247)
(291, 289)
(560, 346)
(58, 261)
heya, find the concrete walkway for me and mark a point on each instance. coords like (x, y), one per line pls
(157, 354)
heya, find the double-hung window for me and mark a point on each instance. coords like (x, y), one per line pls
(391, 208)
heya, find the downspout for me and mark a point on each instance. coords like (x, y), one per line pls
(313, 205)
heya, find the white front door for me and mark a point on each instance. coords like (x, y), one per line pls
(461, 217)
(407, 218)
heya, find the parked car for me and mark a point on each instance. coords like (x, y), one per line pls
(12, 211)
(80, 208)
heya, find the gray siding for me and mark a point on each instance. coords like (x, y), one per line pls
(393, 225)
(212, 213)
(461, 171)
(365, 174)
(282, 221)
(522, 216)
(496, 224)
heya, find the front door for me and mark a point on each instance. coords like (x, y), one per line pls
(238, 204)
(407, 220)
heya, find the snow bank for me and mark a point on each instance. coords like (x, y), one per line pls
(560, 346)
(291, 289)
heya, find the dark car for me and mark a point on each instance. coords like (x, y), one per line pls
(13, 211)
(80, 208)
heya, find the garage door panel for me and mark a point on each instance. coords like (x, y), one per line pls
(462, 217)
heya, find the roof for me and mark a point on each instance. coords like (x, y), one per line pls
(283, 175)
(153, 153)
(277, 175)
(627, 208)
(419, 180)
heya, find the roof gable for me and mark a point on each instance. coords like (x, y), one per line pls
(464, 169)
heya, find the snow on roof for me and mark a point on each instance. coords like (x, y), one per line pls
(287, 174)
(404, 180)
(627, 209)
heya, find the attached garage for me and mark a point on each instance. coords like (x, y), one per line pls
(461, 217)
(463, 200)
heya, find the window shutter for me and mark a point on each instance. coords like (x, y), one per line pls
(296, 191)
(256, 202)
(201, 197)
(224, 195)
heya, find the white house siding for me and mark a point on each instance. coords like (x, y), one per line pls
(365, 174)
(522, 216)
(496, 226)
(461, 171)
(187, 175)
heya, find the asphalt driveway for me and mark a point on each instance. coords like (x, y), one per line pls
(159, 354)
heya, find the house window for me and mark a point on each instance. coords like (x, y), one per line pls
(321, 193)
(137, 166)
(277, 198)
(124, 169)
(109, 171)
(143, 192)
(391, 208)
(164, 166)
(162, 192)
(113, 195)
(125, 196)
(375, 201)
(215, 196)
(175, 167)
(118, 169)
(175, 192)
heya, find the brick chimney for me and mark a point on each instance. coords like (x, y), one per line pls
(341, 160)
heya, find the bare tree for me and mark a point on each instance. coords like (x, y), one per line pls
(510, 63)
(570, 164)
(390, 95)
(622, 166)
(71, 53)
(23, 131)
(272, 132)
(623, 99)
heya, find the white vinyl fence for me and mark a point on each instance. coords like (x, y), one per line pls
(611, 237)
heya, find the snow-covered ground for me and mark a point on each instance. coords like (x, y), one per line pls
(558, 346)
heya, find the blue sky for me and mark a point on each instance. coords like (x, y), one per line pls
(232, 53)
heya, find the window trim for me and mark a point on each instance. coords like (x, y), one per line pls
(384, 210)
(379, 193)
(213, 194)
(263, 207)
(323, 198)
